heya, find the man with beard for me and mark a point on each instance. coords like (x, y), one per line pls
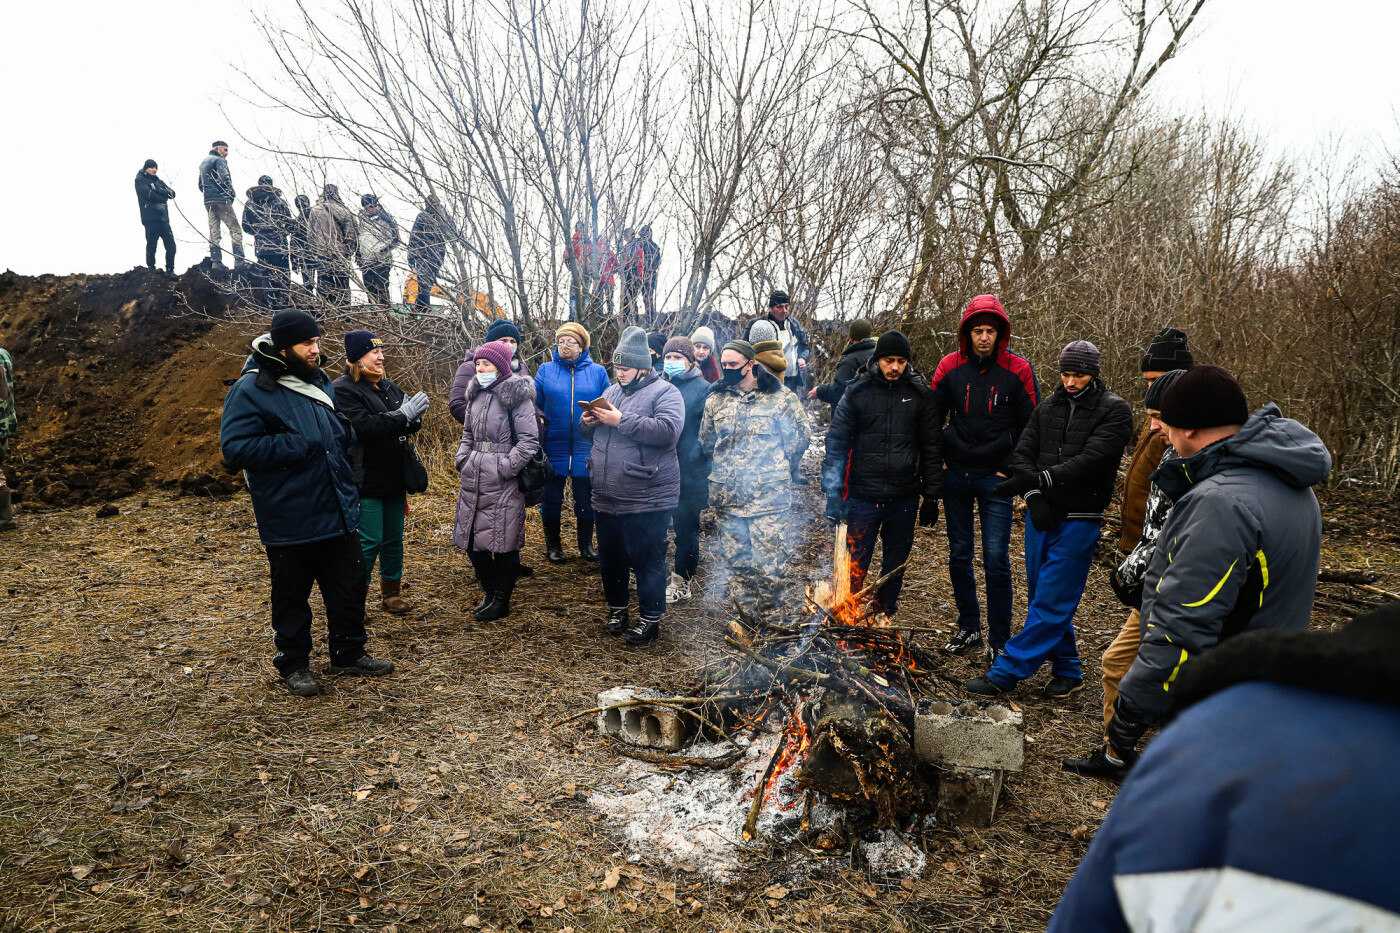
(281, 428)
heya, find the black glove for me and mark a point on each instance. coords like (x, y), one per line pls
(928, 513)
(1130, 596)
(836, 508)
(1020, 483)
(1125, 730)
(1043, 515)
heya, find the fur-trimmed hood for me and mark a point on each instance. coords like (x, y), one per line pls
(511, 390)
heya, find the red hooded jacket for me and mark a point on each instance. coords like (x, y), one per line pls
(986, 402)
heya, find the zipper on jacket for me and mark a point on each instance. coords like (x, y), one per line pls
(572, 401)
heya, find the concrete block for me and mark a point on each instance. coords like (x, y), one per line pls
(967, 797)
(645, 724)
(970, 734)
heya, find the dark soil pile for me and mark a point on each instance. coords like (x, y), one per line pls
(119, 382)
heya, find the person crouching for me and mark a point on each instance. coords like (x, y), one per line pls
(499, 437)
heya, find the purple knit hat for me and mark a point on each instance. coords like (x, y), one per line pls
(496, 353)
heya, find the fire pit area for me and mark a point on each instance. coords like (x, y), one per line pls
(832, 735)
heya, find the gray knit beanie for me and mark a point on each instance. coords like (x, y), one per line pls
(761, 330)
(1080, 356)
(632, 350)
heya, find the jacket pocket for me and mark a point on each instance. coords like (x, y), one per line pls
(640, 470)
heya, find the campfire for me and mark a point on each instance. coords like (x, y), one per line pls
(855, 704)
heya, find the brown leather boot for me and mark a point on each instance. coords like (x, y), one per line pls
(390, 601)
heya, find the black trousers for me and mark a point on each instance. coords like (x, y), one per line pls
(635, 542)
(685, 519)
(427, 278)
(160, 232)
(376, 279)
(333, 283)
(336, 566)
(273, 275)
(893, 522)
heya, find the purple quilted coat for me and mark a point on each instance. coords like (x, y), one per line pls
(490, 505)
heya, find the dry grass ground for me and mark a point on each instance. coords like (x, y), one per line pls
(154, 775)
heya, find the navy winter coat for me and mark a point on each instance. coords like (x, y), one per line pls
(285, 435)
(695, 466)
(559, 386)
(1268, 804)
(633, 466)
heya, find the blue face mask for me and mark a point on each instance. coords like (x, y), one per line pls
(486, 379)
(674, 368)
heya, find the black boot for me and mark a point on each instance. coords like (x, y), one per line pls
(553, 547)
(617, 621)
(643, 630)
(586, 550)
(499, 607)
(486, 576)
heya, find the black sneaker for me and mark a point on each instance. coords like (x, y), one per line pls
(364, 666)
(994, 652)
(963, 642)
(643, 631)
(301, 683)
(983, 687)
(617, 621)
(1060, 687)
(1097, 765)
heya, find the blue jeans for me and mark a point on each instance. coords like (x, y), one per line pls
(960, 492)
(1057, 568)
(894, 522)
(553, 505)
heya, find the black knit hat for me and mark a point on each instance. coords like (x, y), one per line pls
(1158, 390)
(779, 297)
(217, 143)
(502, 328)
(150, 163)
(656, 342)
(358, 343)
(265, 180)
(892, 343)
(291, 327)
(1204, 397)
(368, 200)
(1167, 351)
(1080, 356)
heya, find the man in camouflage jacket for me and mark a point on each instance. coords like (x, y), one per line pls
(752, 429)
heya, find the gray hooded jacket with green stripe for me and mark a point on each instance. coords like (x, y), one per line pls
(1240, 551)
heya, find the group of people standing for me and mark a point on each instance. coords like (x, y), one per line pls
(323, 243)
(636, 261)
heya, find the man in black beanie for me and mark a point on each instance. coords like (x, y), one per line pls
(1245, 539)
(152, 194)
(792, 337)
(883, 452)
(280, 427)
(1167, 352)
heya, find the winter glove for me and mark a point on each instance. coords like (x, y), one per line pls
(1125, 730)
(412, 408)
(1130, 596)
(928, 513)
(1043, 515)
(1020, 483)
(836, 508)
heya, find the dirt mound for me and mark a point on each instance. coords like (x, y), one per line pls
(119, 382)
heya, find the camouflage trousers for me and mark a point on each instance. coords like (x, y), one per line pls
(751, 556)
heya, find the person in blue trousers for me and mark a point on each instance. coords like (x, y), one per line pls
(1065, 468)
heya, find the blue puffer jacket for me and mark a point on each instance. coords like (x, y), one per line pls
(291, 448)
(559, 386)
(215, 180)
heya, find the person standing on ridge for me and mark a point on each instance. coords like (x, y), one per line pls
(378, 235)
(267, 218)
(334, 238)
(217, 186)
(152, 195)
(427, 249)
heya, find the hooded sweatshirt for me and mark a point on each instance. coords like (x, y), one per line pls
(1240, 551)
(986, 401)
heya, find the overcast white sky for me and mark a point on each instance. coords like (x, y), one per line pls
(92, 89)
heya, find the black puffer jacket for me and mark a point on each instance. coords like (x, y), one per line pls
(1075, 443)
(376, 456)
(267, 217)
(885, 441)
(853, 359)
(152, 194)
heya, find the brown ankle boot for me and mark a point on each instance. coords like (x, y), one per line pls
(390, 601)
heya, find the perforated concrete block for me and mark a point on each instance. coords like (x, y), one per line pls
(970, 734)
(641, 723)
(967, 797)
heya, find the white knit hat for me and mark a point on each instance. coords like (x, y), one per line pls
(704, 335)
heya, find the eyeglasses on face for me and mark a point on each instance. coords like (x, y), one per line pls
(566, 342)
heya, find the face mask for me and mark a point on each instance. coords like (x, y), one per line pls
(732, 377)
(486, 379)
(674, 368)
